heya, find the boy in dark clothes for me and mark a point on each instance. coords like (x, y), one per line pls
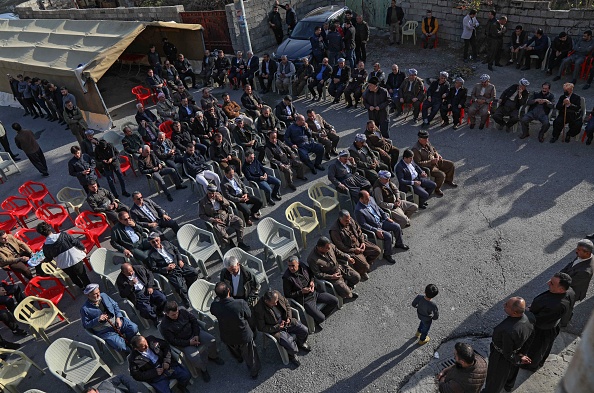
(426, 311)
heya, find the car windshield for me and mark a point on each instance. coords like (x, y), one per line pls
(304, 30)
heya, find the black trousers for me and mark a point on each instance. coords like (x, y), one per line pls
(181, 279)
(470, 42)
(6, 145)
(38, 161)
(78, 275)
(540, 348)
(500, 373)
(245, 208)
(8, 319)
(190, 73)
(161, 223)
(360, 51)
(311, 309)
(248, 353)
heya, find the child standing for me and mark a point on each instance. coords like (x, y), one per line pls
(426, 311)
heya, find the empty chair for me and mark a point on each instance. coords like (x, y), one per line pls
(74, 363)
(107, 264)
(305, 224)
(6, 162)
(31, 237)
(409, 30)
(37, 317)
(36, 193)
(51, 269)
(251, 262)
(199, 244)
(14, 368)
(53, 214)
(18, 207)
(201, 294)
(7, 221)
(318, 193)
(142, 94)
(72, 198)
(94, 224)
(49, 288)
(278, 241)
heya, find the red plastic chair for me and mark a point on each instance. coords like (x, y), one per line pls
(55, 215)
(86, 241)
(125, 165)
(167, 128)
(9, 273)
(18, 207)
(35, 192)
(142, 94)
(94, 224)
(7, 221)
(53, 293)
(30, 236)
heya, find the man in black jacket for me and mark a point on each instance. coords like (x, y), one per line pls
(540, 105)
(234, 190)
(181, 329)
(144, 210)
(560, 48)
(207, 68)
(241, 281)
(340, 77)
(151, 362)
(254, 171)
(436, 95)
(394, 17)
(132, 142)
(321, 74)
(221, 68)
(276, 24)
(251, 102)
(82, 166)
(349, 42)
(233, 316)
(285, 111)
(267, 70)
(455, 103)
(195, 166)
(510, 102)
(137, 284)
(570, 110)
(183, 66)
(149, 164)
(285, 159)
(355, 86)
(393, 82)
(166, 259)
(361, 38)
(103, 201)
(376, 100)
(580, 271)
(130, 238)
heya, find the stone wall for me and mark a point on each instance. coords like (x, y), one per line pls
(256, 14)
(148, 14)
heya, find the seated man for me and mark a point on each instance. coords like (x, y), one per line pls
(234, 190)
(355, 87)
(299, 137)
(237, 69)
(102, 316)
(132, 142)
(268, 68)
(254, 171)
(103, 201)
(151, 362)
(560, 48)
(221, 152)
(183, 66)
(268, 122)
(252, 63)
(429, 28)
(222, 66)
(182, 138)
(437, 94)
(299, 285)
(395, 79)
(251, 102)
(181, 329)
(166, 259)
(275, 317)
(148, 131)
(208, 99)
(540, 105)
(217, 120)
(137, 284)
(468, 373)
(411, 91)
(286, 111)
(149, 164)
(130, 238)
(409, 173)
(171, 75)
(145, 114)
(569, 106)
(518, 39)
(195, 165)
(157, 83)
(241, 281)
(387, 196)
(82, 166)
(329, 263)
(481, 97)
(303, 74)
(425, 155)
(388, 153)
(347, 236)
(89, 143)
(324, 133)
(217, 210)
(366, 159)
(581, 49)
(231, 108)
(117, 384)
(166, 109)
(590, 128)
(14, 255)
(166, 151)
(200, 129)
(454, 103)
(284, 74)
(186, 110)
(321, 74)
(247, 138)
(536, 45)
(372, 218)
(285, 159)
(379, 74)
(144, 210)
(343, 174)
(341, 75)
(510, 102)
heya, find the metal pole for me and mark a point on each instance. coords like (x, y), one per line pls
(243, 27)
(111, 125)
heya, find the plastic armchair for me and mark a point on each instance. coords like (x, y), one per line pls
(409, 29)
(201, 294)
(74, 363)
(7, 222)
(18, 207)
(330, 289)
(102, 261)
(85, 239)
(14, 370)
(251, 262)
(52, 270)
(125, 165)
(53, 293)
(30, 236)
(35, 192)
(53, 214)
(166, 128)
(278, 240)
(6, 162)
(142, 94)
(114, 138)
(38, 319)
(305, 224)
(281, 350)
(104, 347)
(311, 323)
(199, 244)
(94, 224)
(322, 201)
(72, 198)
(143, 321)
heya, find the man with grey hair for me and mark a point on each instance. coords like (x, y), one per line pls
(284, 74)
(132, 142)
(580, 271)
(366, 158)
(251, 66)
(412, 92)
(342, 173)
(241, 280)
(387, 196)
(305, 72)
(237, 69)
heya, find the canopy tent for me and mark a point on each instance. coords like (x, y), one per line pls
(77, 53)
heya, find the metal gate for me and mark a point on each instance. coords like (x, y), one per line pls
(373, 11)
(216, 30)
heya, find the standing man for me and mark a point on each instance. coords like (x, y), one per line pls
(425, 155)
(5, 144)
(290, 18)
(361, 38)
(394, 17)
(349, 42)
(318, 46)
(570, 109)
(580, 271)
(75, 120)
(207, 68)
(429, 28)
(508, 339)
(234, 316)
(170, 50)
(387, 196)
(496, 33)
(469, 25)
(154, 59)
(25, 140)
(540, 105)
(276, 24)
(377, 100)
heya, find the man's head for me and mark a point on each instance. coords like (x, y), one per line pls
(180, 57)
(171, 310)
(211, 191)
(344, 217)
(146, 150)
(568, 88)
(161, 97)
(266, 111)
(323, 245)
(515, 306)
(584, 249)
(519, 29)
(127, 131)
(287, 100)
(545, 88)
(222, 290)
(140, 108)
(64, 90)
(44, 229)
(394, 68)
(239, 54)
(275, 9)
(139, 343)
(17, 127)
(300, 120)
(293, 264)
(284, 59)
(559, 283)
(150, 73)
(429, 14)
(412, 74)
(361, 65)
(190, 149)
(318, 30)
(270, 298)
(229, 172)
(431, 291)
(443, 77)
(232, 265)
(161, 137)
(218, 138)
(249, 156)
(341, 62)
(127, 269)
(384, 176)
(93, 186)
(472, 13)
(458, 82)
(360, 140)
(539, 33)
(492, 14)
(125, 219)
(377, 67)
(176, 126)
(343, 156)
(359, 19)
(485, 78)
(364, 197)
(69, 105)
(464, 355)
(373, 84)
(93, 293)
(265, 57)
(248, 89)
(423, 137)
(563, 36)
(226, 97)
(155, 239)
(407, 156)
(370, 126)
(137, 198)
(3, 236)
(273, 137)
(325, 61)
(587, 36)
(311, 114)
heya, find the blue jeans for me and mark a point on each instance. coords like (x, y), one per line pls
(161, 383)
(128, 329)
(424, 329)
(349, 55)
(265, 186)
(110, 180)
(313, 147)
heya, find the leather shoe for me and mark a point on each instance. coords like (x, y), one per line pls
(403, 247)
(271, 202)
(481, 126)
(439, 193)
(556, 78)
(292, 187)
(302, 178)
(294, 361)
(364, 277)
(390, 259)
(181, 187)
(452, 184)
(590, 236)
(319, 167)
(313, 170)
(277, 197)
(169, 198)
(19, 332)
(244, 246)
(471, 126)
(354, 295)
(205, 375)
(305, 347)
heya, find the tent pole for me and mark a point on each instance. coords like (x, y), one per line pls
(104, 106)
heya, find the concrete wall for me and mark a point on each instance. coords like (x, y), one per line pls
(256, 13)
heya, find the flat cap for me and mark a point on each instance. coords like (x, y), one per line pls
(384, 174)
(360, 138)
(423, 134)
(90, 288)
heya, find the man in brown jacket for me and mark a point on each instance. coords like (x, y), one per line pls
(425, 155)
(14, 254)
(287, 161)
(482, 95)
(231, 108)
(467, 375)
(329, 263)
(347, 236)
(324, 133)
(383, 146)
(25, 140)
(412, 92)
(387, 196)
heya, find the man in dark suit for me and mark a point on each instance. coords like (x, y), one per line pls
(137, 284)
(130, 238)
(340, 77)
(148, 212)
(252, 64)
(409, 173)
(342, 173)
(151, 362)
(234, 190)
(580, 271)
(241, 281)
(267, 71)
(207, 67)
(324, 133)
(166, 259)
(233, 316)
(570, 109)
(366, 158)
(252, 102)
(285, 110)
(455, 103)
(377, 100)
(321, 74)
(285, 159)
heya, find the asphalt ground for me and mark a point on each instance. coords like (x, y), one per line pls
(515, 219)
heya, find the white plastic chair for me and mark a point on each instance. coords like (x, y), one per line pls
(199, 244)
(304, 223)
(14, 369)
(102, 262)
(5, 162)
(39, 314)
(326, 203)
(74, 363)
(278, 241)
(72, 198)
(251, 262)
(409, 30)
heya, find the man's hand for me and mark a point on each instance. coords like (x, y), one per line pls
(402, 100)
(171, 266)
(428, 99)
(150, 291)
(336, 276)
(127, 253)
(351, 260)
(423, 174)
(219, 221)
(118, 322)
(166, 217)
(525, 360)
(152, 224)
(103, 317)
(180, 263)
(159, 370)
(379, 233)
(417, 183)
(415, 99)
